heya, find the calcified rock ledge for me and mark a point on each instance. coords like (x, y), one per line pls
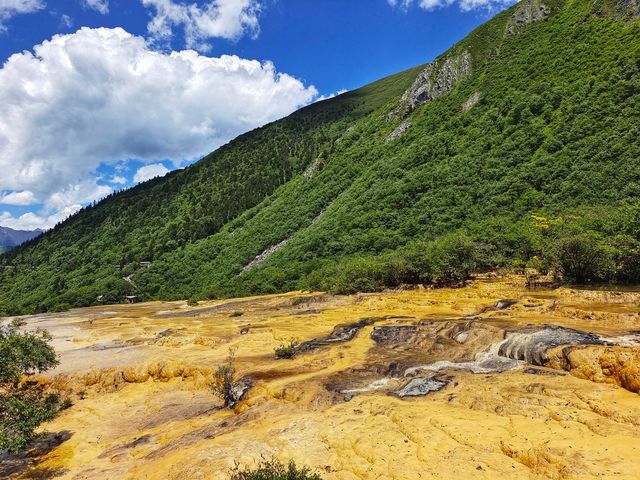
(487, 381)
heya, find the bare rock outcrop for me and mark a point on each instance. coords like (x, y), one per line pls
(528, 12)
(399, 130)
(261, 258)
(628, 8)
(437, 79)
(613, 364)
(312, 169)
(471, 102)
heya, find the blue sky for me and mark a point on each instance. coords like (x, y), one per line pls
(106, 103)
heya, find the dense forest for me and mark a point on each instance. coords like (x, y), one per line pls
(529, 158)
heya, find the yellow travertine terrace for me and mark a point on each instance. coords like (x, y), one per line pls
(488, 381)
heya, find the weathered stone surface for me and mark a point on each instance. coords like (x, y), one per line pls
(437, 79)
(239, 389)
(340, 334)
(420, 386)
(312, 169)
(603, 364)
(528, 12)
(504, 304)
(393, 335)
(532, 347)
(471, 102)
(261, 258)
(629, 8)
(399, 130)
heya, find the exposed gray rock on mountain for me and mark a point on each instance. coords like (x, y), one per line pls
(399, 130)
(628, 7)
(528, 12)
(471, 101)
(437, 79)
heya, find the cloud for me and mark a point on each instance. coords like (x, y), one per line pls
(101, 6)
(24, 197)
(331, 95)
(150, 171)
(229, 19)
(11, 8)
(118, 180)
(79, 193)
(32, 221)
(463, 5)
(103, 96)
(66, 21)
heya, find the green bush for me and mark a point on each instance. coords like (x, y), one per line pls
(61, 307)
(627, 255)
(582, 258)
(287, 351)
(274, 470)
(360, 274)
(447, 260)
(23, 407)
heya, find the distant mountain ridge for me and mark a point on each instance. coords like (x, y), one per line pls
(10, 238)
(524, 137)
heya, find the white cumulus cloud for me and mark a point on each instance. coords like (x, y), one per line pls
(101, 6)
(229, 19)
(150, 171)
(11, 8)
(463, 5)
(103, 96)
(24, 197)
(118, 180)
(32, 221)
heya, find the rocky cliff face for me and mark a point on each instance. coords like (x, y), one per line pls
(437, 79)
(528, 12)
(628, 8)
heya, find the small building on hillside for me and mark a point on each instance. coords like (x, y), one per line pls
(132, 299)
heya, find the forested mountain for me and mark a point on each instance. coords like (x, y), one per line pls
(10, 238)
(519, 144)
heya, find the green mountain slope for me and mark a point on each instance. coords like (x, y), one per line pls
(524, 135)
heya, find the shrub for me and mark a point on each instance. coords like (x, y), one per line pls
(451, 258)
(274, 470)
(447, 260)
(236, 314)
(192, 302)
(360, 274)
(22, 410)
(287, 351)
(60, 307)
(627, 259)
(23, 407)
(583, 257)
(224, 378)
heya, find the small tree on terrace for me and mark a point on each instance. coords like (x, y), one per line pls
(224, 378)
(23, 407)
